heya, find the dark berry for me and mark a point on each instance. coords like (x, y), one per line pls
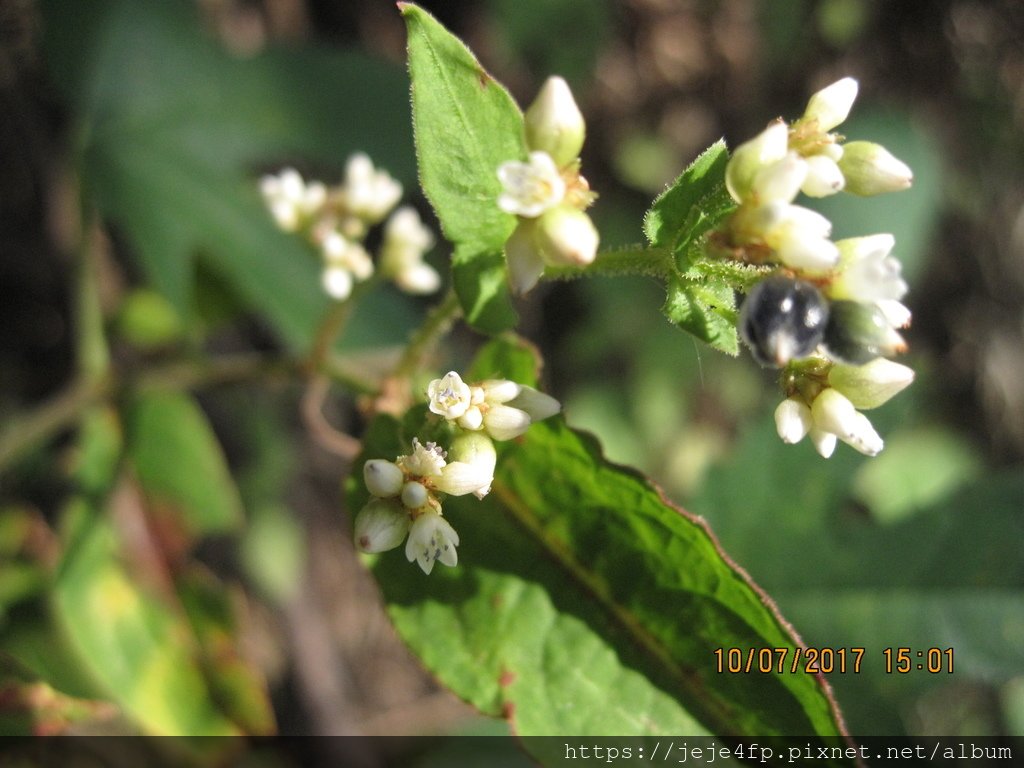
(782, 319)
(858, 333)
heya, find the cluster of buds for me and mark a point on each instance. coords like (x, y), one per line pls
(406, 493)
(337, 220)
(547, 192)
(829, 312)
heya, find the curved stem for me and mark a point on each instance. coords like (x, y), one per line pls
(437, 323)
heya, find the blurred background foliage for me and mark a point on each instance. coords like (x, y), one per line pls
(174, 556)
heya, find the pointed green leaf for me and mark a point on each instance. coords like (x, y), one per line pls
(466, 124)
(584, 603)
(693, 204)
(704, 309)
(180, 464)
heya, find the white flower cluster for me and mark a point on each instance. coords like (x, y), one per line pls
(405, 492)
(547, 192)
(830, 311)
(337, 220)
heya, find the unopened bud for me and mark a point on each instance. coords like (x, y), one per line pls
(751, 157)
(525, 263)
(567, 236)
(383, 478)
(381, 525)
(536, 404)
(503, 422)
(793, 420)
(831, 105)
(870, 169)
(554, 124)
(471, 469)
(872, 384)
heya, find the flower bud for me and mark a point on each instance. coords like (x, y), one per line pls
(381, 525)
(503, 422)
(554, 123)
(793, 420)
(383, 478)
(779, 181)
(833, 412)
(525, 263)
(823, 177)
(824, 442)
(414, 495)
(749, 158)
(872, 384)
(567, 236)
(537, 405)
(831, 105)
(870, 169)
(499, 390)
(857, 333)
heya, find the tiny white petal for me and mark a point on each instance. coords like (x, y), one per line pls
(424, 461)
(896, 313)
(532, 187)
(793, 420)
(432, 539)
(833, 412)
(418, 279)
(749, 158)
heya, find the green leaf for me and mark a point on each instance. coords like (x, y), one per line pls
(137, 648)
(699, 297)
(465, 125)
(585, 603)
(704, 309)
(181, 466)
(693, 204)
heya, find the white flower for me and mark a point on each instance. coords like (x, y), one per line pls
(381, 525)
(872, 384)
(896, 313)
(383, 478)
(369, 193)
(554, 123)
(338, 251)
(432, 539)
(866, 271)
(833, 412)
(425, 461)
(290, 200)
(449, 396)
(532, 187)
(831, 105)
(406, 239)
